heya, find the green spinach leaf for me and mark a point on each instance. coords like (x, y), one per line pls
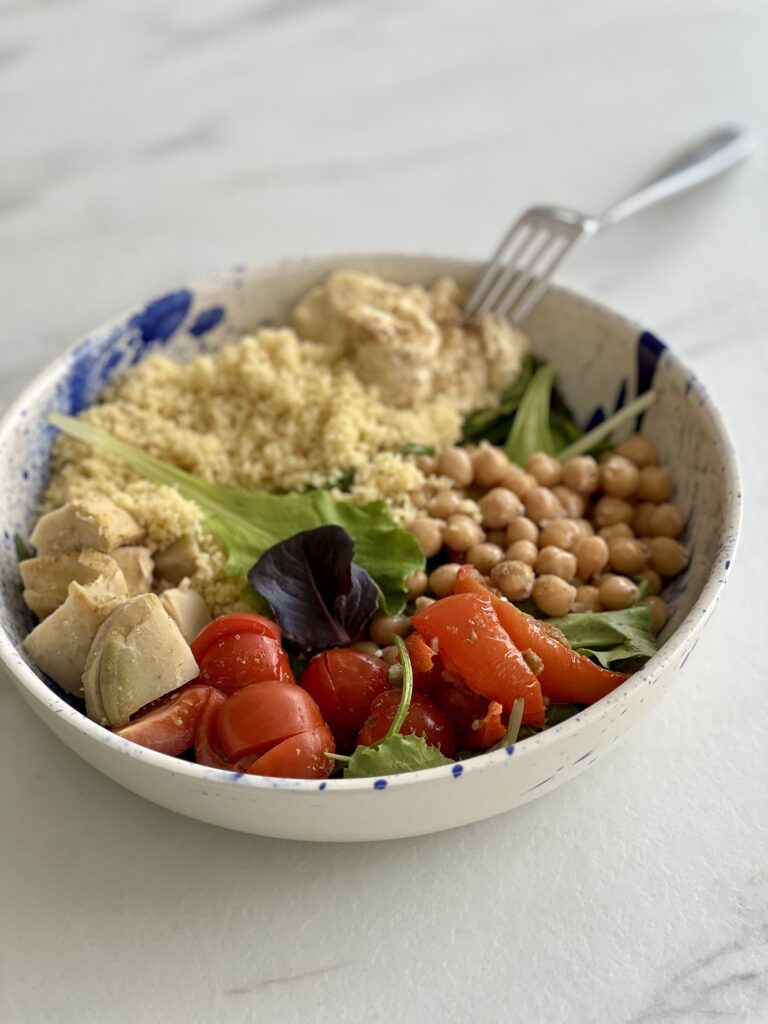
(494, 424)
(610, 637)
(416, 448)
(557, 713)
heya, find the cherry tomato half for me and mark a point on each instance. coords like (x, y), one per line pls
(208, 749)
(423, 719)
(226, 625)
(170, 726)
(343, 682)
(298, 757)
(261, 715)
(243, 658)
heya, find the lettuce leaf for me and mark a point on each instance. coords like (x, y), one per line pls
(610, 637)
(248, 523)
(394, 755)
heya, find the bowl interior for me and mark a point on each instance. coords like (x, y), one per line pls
(602, 360)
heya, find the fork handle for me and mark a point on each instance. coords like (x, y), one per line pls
(707, 158)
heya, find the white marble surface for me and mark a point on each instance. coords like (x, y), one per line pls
(144, 144)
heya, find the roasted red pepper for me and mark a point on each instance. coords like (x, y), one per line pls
(472, 644)
(567, 677)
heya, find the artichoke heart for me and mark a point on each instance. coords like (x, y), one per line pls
(138, 655)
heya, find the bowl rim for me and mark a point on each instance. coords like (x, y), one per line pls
(36, 691)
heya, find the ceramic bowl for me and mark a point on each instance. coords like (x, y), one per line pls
(603, 360)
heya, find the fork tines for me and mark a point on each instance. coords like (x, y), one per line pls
(520, 270)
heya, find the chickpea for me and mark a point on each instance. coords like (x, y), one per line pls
(619, 476)
(553, 595)
(668, 556)
(545, 469)
(383, 627)
(444, 504)
(638, 449)
(390, 654)
(485, 556)
(627, 556)
(416, 584)
(419, 498)
(461, 532)
(562, 533)
(591, 556)
(443, 579)
(617, 592)
(423, 602)
(496, 537)
(499, 507)
(368, 647)
(655, 484)
(522, 528)
(426, 463)
(455, 463)
(514, 580)
(554, 561)
(429, 534)
(587, 600)
(642, 519)
(659, 612)
(610, 510)
(518, 481)
(575, 504)
(585, 528)
(667, 521)
(582, 474)
(395, 675)
(616, 531)
(653, 580)
(540, 503)
(489, 465)
(523, 551)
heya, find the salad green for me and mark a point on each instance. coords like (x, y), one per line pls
(610, 638)
(532, 417)
(248, 524)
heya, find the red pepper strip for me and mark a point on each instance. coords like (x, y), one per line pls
(472, 643)
(490, 728)
(422, 656)
(467, 710)
(568, 677)
(427, 670)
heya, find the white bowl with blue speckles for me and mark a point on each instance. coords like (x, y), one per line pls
(602, 359)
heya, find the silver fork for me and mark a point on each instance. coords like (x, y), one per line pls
(535, 246)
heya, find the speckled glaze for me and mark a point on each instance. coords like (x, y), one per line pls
(603, 361)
